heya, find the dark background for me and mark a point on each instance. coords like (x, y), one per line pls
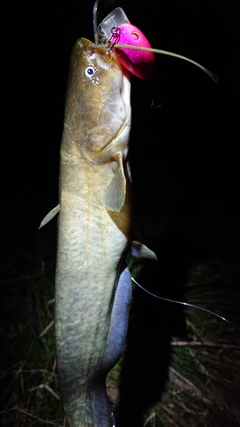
(184, 153)
(185, 158)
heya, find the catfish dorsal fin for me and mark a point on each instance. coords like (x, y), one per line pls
(114, 196)
(49, 216)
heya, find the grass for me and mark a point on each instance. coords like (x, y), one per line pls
(29, 379)
(201, 385)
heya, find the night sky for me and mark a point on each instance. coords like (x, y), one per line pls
(184, 154)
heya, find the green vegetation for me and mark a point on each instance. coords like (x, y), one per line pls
(202, 387)
(30, 394)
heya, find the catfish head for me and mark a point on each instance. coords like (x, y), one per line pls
(100, 99)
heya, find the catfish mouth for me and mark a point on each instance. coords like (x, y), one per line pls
(105, 58)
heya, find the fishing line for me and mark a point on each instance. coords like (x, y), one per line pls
(181, 303)
(95, 24)
(211, 74)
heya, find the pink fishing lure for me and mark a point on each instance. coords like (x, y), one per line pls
(117, 29)
(139, 62)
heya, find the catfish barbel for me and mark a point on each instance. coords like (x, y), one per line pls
(93, 284)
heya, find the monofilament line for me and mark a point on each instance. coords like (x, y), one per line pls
(181, 302)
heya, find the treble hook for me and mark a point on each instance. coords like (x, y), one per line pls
(115, 37)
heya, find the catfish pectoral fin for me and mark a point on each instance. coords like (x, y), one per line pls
(114, 196)
(138, 250)
(49, 216)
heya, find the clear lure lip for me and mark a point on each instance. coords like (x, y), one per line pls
(114, 20)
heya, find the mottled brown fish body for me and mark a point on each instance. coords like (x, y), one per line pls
(93, 230)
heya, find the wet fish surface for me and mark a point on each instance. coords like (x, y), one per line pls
(93, 284)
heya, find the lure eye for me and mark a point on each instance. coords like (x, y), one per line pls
(135, 36)
(89, 72)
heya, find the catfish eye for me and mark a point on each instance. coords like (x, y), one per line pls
(89, 72)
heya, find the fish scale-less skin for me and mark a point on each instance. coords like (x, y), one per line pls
(83, 295)
(92, 237)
